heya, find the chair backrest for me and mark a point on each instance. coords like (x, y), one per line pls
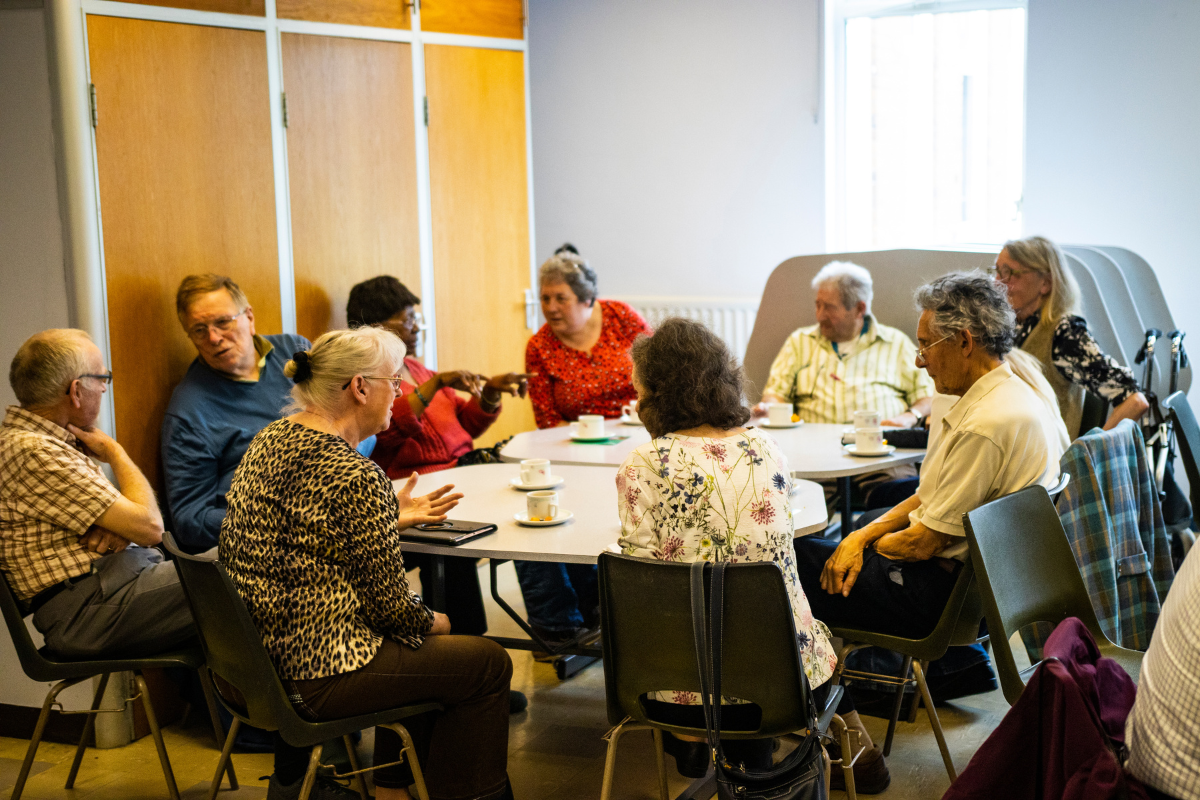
(32, 662)
(648, 644)
(233, 646)
(1188, 433)
(1026, 573)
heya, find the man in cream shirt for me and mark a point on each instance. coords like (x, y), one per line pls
(895, 574)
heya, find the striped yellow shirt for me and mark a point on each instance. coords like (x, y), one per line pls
(878, 374)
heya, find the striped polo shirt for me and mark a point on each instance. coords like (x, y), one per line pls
(876, 372)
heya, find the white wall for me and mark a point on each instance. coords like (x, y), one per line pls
(674, 142)
(1113, 155)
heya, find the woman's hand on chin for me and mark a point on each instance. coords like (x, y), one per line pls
(432, 507)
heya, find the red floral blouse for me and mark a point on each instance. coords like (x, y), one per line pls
(570, 382)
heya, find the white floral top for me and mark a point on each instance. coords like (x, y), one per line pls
(690, 498)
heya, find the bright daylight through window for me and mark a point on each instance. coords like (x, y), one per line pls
(929, 140)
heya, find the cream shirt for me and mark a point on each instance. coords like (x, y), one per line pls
(994, 440)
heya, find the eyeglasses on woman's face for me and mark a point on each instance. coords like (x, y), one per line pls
(923, 351)
(1006, 274)
(198, 333)
(395, 379)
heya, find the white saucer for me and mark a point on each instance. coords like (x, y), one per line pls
(788, 425)
(595, 439)
(628, 421)
(557, 480)
(852, 449)
(522, 518)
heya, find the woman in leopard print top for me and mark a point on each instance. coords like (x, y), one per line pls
(311, 541)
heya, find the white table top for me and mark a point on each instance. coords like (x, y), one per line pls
(590, 493)
(813, 451)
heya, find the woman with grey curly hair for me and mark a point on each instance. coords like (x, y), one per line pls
(578, 362)
(1045, 298)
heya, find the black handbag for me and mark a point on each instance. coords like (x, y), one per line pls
(801, 775)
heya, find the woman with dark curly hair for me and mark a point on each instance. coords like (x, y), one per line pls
(707, 488)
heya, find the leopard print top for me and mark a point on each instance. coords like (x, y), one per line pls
(311, 543)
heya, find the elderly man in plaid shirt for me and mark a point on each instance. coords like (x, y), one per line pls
(77, 551)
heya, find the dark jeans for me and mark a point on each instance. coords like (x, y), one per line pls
(464, 599)
(463, 749)
(558, 597)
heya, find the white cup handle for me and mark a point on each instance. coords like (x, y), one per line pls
(553, 511)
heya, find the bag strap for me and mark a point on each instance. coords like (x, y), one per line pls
(716, 622)
(700, 637)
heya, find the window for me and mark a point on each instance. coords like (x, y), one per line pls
(928, 126)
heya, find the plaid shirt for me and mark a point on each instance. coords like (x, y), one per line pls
(1114, 522)
(50, 494)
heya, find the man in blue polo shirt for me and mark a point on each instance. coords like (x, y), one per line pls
(234, 389)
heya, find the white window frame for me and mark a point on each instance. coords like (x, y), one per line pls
(833, 16)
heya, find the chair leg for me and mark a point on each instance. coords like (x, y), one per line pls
(38, 730)
(226, 757)
(352, 754)
(918, 700)
(660, 761)
(87, 731)
(410, 754)
(152, 721)
(905, 669)
(310, 774)
(847, 757)
(934, 722)
(206, 688)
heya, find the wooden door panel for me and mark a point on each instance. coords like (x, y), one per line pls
(352, 171)
(255, 8)
(480, 204)
(375, 13)
(501, 18)
(184, 155)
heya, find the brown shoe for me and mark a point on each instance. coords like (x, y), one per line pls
(871, 774)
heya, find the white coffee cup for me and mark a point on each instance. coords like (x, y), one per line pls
(542, 505)
(869, 440)
(589, 426)
(629, 411)
(779, 413)
(866, 419)
(535, 471)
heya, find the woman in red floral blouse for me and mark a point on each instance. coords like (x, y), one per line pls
(579, 360)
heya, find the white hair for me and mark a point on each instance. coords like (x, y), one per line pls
(853, 283)
(335, 358)
(45, 365)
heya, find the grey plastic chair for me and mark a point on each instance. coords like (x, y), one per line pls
(42, 665)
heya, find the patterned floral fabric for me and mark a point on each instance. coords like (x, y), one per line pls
(689, 498)
(1079, 358)
(311, 542)
(566, 382)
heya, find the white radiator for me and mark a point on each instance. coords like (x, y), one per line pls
(730, 318)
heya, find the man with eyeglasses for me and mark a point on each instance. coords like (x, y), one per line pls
(234, 389)
(77, 552)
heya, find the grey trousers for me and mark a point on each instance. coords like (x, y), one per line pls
(131, 605)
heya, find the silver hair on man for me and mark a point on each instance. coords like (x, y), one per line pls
(853, 283)
(970, 301)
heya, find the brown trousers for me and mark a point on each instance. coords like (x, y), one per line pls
(464, 749)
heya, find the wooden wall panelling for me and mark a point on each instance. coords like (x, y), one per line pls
(256, 8)
(480, 205)
(351, 171)
(375, 13)
(502, 18)
(184, 157)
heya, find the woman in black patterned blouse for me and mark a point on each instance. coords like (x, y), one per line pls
(311, 541)
(1043, 292)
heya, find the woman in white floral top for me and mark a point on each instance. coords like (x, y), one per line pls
(706, 488)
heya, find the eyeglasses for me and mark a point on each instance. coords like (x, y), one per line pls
(395, 379)
(105, 378)
(1005, 274)
(198, 333)
(921, 351)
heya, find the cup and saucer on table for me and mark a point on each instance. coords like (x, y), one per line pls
(589, 429)
(542, 509)
(869, 441)
(781, 415)
(535, 474)
(629, 415)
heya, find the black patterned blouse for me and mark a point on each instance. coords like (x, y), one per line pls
(311, 542)
(1076, 355)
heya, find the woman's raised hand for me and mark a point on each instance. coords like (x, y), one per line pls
(462, 380)
(514, 383)
(431, 507)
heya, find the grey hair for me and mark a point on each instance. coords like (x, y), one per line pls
(573, 270)
(970, 301)
(853, 283)
(45, 365)
(336, 357)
